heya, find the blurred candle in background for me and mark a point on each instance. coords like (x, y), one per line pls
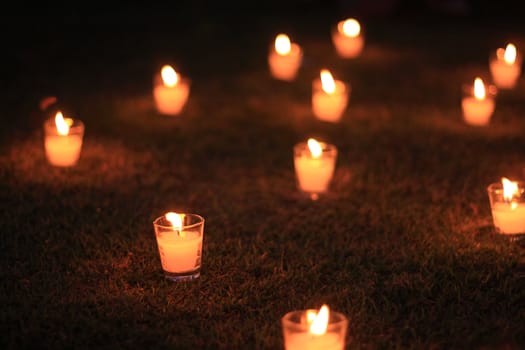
(329, 97)
(478, 104)
(284, 58)
(170, 91)
(314, 166)
(63, 140)
(348, 39)
(505, 67)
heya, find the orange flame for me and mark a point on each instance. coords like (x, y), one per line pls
(320, 321)
(510, 189)
(62, 124)
(510, 54)
(479, 89)
(283, 46)
(176, 221)
(350, 28)
(327, 81)
(315, 148)
(169, 76)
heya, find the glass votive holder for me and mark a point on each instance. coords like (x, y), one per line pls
(348, 38)
(507, 203)
(63, 141)
(329, 97)
(297, 333)
(505, 66)
(314, 164)
(170, 91)
(478, 102)
(180, 245)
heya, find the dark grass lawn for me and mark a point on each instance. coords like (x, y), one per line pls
(402, 244)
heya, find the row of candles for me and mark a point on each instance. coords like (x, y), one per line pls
(179, 236)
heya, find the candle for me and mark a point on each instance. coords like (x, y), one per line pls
(179, 240)
(170, 91)
(348, 38)
(329, 97)
(314, 330)
(314, 164)
(507, 203)
(505, 67)
(478, 106)
(63, 140)
(285, 58)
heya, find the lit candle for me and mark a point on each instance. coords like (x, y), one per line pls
(348, 38)
(285, 58)
(508, 206)
(329, 97)
(314, 330)
(170, 91)
(505, 67)
(314, 166)
(179, 239)
(63, 140)
(478, 105)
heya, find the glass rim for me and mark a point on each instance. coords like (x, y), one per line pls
(200, 221)
(326, 147)
(336, 319)
(157, 80)
(77, 124)
(498, 186)
(344, 87)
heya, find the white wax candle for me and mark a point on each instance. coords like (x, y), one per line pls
(348, 39)
(63, 150)
(63, 143)
(314, 175)
(479, 107)
(505, 67)
(477, 112)
(284, 58)
(508, 218)
(179, 253)
(308, 341)
(171, 91)
(329, 103)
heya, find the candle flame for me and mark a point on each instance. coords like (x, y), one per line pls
(62, 124)
(510, 189)
(479, 89)
(327, 81)
(350, 28)
(283, 46)
(510, 54)
(315, 148)
(169, 76)
(176, 221)
(320, 321)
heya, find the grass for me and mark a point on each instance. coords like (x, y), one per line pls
(402, 244)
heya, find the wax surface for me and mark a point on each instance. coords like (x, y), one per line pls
(314, 174)
(329, 107)
(63, 150)
(285, 67)
(180, 254)
(347, 47)
(307, 341)
(509, 221)
(171, 100)
(504, 75)
(477, 112)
